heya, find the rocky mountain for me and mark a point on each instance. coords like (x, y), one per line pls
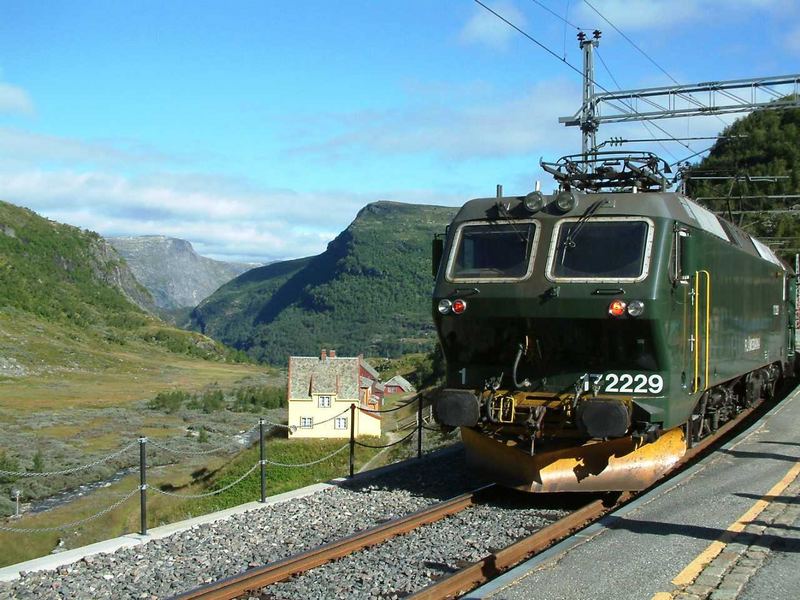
(172, 271)
(68, 300)
(369, 292)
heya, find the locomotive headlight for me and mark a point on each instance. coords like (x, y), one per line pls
(616, 308)
(635, 308)
(533, 202)
(566, 201)
(444, 306)
(459, 306)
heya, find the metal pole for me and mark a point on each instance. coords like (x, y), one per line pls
(263, 460)
(352, 439)
(143, 484)
(419, 425)
(588, 122)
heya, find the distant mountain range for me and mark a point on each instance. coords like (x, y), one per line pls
(67, 300)
(369, 292)
(172, 271)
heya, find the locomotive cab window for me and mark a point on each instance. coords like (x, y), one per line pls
(500, 251)
(601, 249)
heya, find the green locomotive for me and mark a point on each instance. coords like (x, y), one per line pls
(591, 334)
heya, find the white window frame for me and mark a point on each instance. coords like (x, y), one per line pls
(340, 421)
(306, 422)
(648, 249)
(537, 228)
(322, 404)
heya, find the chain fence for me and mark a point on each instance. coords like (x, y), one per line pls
(192, 452)
(389, 445)
(212, 492)
(72, 524)
(99, 461)
(262, 463)
(310, 463)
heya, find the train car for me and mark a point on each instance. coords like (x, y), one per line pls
(591, 334)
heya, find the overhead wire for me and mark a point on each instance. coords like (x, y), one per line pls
(573, 67)
(646, 55)
(556, 15)
(642, 123)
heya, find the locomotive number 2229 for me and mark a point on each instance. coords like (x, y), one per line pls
(624, 383)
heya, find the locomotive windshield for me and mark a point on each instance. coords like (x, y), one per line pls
(601, 249)
(493, 251)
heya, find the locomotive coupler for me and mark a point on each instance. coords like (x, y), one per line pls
(580, 386)
(534, 424)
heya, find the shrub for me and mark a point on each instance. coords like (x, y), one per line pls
(255, 399)
(8, 463)
(208, 402)
(168, 401)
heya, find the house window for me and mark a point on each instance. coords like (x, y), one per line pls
(340, 423)
(324, 401)
(306, 422)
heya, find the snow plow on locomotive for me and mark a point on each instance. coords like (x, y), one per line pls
(587, 333)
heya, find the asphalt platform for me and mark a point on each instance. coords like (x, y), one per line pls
(727, 528)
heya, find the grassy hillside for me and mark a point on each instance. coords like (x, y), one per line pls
(369, 292)
(65, 295)
(762, 143)
(81, 358)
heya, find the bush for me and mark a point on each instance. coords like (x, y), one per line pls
(169, 402)
(255, 399)
(8, 463)
(208, 402)
(38, 462)
(202, 436)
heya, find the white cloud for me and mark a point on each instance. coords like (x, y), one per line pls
(502, 125)
(14, 99)
(223, 218)
(486, 29)
(19, 146)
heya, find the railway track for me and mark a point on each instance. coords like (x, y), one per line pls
(468, 577)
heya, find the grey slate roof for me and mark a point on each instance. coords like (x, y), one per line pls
(311, 375)
(401, 382)
(371, 370)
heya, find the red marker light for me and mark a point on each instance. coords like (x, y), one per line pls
(616, 308)
(459, 306)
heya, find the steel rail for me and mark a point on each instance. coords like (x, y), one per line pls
(496, 563)
(461, 581)
(254, 579)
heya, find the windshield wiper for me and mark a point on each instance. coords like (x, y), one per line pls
(569, 241)
(522, 237)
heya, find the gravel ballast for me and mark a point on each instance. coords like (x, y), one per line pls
(205, 553)
(411, 562)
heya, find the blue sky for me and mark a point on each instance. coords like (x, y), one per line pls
(256, 130)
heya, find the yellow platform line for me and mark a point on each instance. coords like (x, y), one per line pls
(694, 568)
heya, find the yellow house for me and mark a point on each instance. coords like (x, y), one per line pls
(321, 390)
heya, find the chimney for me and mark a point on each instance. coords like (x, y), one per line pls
(333, 353)
(324, 354)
